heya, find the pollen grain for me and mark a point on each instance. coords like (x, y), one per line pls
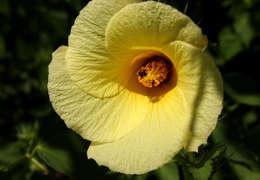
(153, 72)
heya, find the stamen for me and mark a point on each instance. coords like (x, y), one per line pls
(153, 72)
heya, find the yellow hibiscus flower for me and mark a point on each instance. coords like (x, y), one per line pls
(135, 82)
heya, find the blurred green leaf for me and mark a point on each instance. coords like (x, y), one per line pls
(244, 173)
(65, 152)
(141, 177)
(4, 8)
(226, 3)
(253, 135)
(229, 43)
(27, 131)
(202, 173)
(168, 172)
(209, 168)
(201, 165)
(242, 89)
(244, 29)
(57, 158)
(227, 133)
(249, 3)
(244, 98)
(249, 118)
(11, 154)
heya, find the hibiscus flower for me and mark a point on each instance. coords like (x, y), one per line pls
(134, 81)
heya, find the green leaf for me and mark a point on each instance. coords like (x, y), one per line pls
(242, 89)
(244, 173)
(252, 143)
(249, 118)
(202, 165)
(243, 98)
(57, 158)
(168, 172)
(229, 44)
(243, 28)
(27, 131)
(141, 177)
(249, 3)
(11, 155)
(235, 148)
(209, 168)
(202, 173)
(186, 7)
(4, 8)
(65, 152)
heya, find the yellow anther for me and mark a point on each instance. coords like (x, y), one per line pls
(153, 72)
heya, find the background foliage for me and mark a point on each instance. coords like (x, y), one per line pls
(34, 142)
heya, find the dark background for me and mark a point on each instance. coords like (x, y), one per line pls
(34, 142)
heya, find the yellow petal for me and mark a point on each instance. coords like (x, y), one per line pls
(95, 119)
(94, 73)
(152, 144)
(87, 58)
(167, 126)
(150, 24)
(208, 103)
